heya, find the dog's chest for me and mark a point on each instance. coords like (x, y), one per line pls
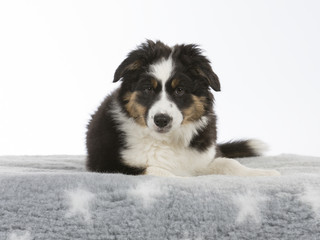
(145, 151)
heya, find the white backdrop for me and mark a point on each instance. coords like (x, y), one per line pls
(57, 60)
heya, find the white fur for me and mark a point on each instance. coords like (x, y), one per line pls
(259, 147)
(163, 153)
(227, 166)
(162, 70)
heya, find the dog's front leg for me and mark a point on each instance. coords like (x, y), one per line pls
(156, 171)
(227, 166)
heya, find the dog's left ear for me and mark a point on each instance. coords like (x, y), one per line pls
(205, 71)
(191, 56)
(131, 63)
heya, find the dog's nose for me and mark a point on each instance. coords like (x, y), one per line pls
(162, 120)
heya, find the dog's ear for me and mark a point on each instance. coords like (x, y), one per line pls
(206, 72)
(135, 60)
(191, 56)
(131, 63)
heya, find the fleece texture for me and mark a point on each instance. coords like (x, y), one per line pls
(54, 197)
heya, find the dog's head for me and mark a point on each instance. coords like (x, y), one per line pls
(163, 88)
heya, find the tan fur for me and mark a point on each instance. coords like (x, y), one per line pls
(174, 83)
(134, 66)
(201, 73)
(154, 83)
(135, 110)
(195, 111)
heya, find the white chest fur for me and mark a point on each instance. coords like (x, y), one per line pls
(168, 151)
(178, 160)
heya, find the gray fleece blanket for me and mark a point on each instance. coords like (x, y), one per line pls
(53, 197)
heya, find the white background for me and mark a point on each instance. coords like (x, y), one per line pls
(57, 60)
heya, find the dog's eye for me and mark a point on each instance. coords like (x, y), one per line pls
(179, 91)
(148, 90)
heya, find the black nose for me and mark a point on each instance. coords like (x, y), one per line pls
(162, 120)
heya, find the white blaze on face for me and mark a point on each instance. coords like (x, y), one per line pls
(162, 71)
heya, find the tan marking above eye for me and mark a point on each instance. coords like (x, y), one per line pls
(154, 83)
(135, 110)
(174, 83)
(195, 111)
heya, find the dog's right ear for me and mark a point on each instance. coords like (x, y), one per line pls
(131, 63)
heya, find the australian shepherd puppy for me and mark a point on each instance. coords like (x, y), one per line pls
(161, 121)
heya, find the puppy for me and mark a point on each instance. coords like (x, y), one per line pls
(161, 121)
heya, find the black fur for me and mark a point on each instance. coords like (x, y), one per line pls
(196, 65)
(206, 137)
(104, 142)
(237, 149)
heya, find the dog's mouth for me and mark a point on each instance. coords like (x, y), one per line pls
(163, 129)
